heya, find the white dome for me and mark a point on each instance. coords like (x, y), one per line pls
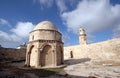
(46, 25)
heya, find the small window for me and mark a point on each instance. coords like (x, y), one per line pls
(33, 37)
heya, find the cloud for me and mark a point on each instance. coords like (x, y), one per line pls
(61, 5)
(49, 3)
(65, 38)
(116, 32)
(4, 22)
(17, 34)
(22, 29)
(45, 3)
(9, 38)
(92, 15)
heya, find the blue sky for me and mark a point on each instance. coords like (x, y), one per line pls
(100, 19)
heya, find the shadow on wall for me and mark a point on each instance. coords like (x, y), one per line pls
(76, 61)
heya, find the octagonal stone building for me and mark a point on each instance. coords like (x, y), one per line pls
(45, 46)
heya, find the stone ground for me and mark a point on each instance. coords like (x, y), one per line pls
(95, 68)
(76, 68)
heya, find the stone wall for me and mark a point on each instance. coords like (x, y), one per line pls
(103, 50)
(10, 54)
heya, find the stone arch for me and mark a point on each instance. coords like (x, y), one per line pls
(43, 45)
(32, 56)
(30, 49)
(46, 57)
(28, 55)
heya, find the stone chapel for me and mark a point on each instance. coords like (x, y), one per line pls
(45, 46)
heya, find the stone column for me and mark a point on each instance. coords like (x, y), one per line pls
(53, 57)
(38, 58)
(55, 54)
(27, 62)
(40, 50)
(28, 56)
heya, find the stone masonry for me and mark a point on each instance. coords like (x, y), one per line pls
(45, 47)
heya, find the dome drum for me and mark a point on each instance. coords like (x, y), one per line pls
(45, 35)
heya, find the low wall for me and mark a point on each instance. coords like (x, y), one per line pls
(103, 50)
(11, 54)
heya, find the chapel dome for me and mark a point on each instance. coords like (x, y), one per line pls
(47, 25)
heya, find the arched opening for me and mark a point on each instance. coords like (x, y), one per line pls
(32, 56)
(46, 56)
(28, 55)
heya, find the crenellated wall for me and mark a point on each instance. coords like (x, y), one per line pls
(102, 50)
(11, 54)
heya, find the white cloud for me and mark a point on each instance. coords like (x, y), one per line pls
(49, 3)
(18, 34)
(61, 5)
(22, 29)
(116, 32)
(65, 38)
(45, 3)
(9, 38)
(4, 22)
(93, 15)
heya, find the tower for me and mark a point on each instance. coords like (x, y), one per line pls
(82, 36)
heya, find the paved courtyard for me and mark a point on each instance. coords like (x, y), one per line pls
(76, 68)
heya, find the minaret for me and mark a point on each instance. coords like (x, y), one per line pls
(82, 36)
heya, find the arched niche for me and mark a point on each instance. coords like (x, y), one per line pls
(46, 56)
